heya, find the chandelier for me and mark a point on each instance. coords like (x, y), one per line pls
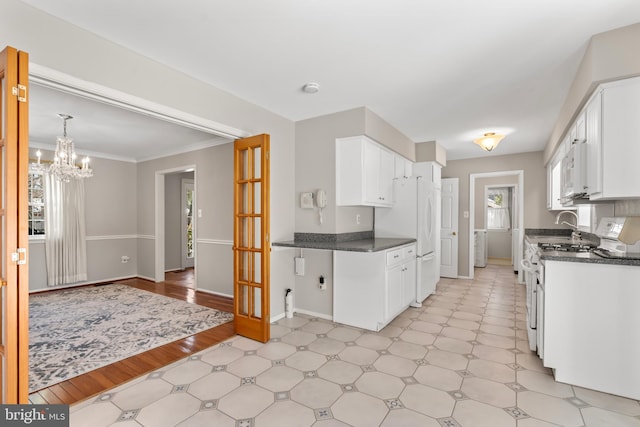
(64, 167)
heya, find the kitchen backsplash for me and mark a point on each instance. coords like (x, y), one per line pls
(627, 207)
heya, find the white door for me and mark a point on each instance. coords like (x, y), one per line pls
(449, 229)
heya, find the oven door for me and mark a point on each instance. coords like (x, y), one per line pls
(531, 281)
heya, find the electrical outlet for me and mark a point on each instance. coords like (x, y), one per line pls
(358, 219)
(125, 259)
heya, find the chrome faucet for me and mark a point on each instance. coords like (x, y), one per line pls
(575, 234)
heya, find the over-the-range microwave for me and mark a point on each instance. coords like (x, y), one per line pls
(574, 172)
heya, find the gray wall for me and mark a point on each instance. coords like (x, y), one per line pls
(111, 224)
(57, 45)
(535, 192)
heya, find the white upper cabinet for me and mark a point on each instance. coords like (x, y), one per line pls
(364, 173)
(613, 138)
(609, 125)
(403, 167)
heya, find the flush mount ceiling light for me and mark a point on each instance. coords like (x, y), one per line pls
(489, 141)
(311, 87)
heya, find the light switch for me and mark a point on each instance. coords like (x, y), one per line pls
(199, 213)
(465, 214)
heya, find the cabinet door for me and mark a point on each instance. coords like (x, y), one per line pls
(393, 292)
(581, 127)
(385, 178)
(594, 146)
(371, 163)
(409, 282)
(549, 186)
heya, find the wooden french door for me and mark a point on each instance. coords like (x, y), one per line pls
(251, 246)
(14, 279)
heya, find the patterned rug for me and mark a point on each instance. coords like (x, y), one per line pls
(75, 331)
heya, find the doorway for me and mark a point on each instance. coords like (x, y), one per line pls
(477, 204)
(499, 212)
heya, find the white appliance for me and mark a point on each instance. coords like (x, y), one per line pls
(619, 237)
(573, 180)
(416, 214)
(481, 248)
(531, 265)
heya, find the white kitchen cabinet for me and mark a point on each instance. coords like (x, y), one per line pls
(554, 187)
(403, 168)
(372, 288)
(613, 131)
(364, 173)
(590, 326)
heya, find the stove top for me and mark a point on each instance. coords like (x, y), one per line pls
(567, 247)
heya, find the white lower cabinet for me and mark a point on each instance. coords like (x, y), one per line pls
(372, 288)
(590, 325)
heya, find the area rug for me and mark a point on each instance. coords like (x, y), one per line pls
(74, 331)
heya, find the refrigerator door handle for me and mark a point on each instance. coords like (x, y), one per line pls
(428, 256)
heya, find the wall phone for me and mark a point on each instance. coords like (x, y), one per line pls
(321, 199)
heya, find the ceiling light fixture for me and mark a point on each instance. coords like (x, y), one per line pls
(489, 141)
(311, 87)
(64, 166)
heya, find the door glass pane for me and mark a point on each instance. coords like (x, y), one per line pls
(257, 197)
(244, 232)
(244, 164)
(243, 299)
(189, 212)
(257, 233)
(257, 172)
(244, 198)
(257, 267)
(243, 267)
(257, 308)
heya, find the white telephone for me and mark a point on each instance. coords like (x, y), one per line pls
(321, 202)
(321, 199)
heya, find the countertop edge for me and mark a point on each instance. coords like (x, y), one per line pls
(364, 245)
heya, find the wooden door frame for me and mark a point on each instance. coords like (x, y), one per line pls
(14, 386)
(248, 323)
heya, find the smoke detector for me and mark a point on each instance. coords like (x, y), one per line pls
(311, 87)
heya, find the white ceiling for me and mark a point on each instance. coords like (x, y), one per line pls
(104, 130)
(435, 69)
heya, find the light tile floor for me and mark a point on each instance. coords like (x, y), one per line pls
(460, 360)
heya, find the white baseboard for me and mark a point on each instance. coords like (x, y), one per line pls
(207, 291)
(80, 284)
(314, 314)
(277, 317)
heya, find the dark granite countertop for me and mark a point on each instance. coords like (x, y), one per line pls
(538, 236)
(355, 242)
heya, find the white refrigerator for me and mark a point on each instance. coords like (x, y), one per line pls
(416, 214)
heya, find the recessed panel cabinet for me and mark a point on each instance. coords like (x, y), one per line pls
(364, 173)
(613, 130)
(372, 288)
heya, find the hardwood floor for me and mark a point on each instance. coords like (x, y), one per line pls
(97, 381)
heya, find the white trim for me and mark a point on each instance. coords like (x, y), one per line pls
(465, 277)
(208, 291)
(66, 83)
(114, 237)
(274, 319)
(146, 236)
(215, 242)
(80, 284)
(314, 314)
(520, 207)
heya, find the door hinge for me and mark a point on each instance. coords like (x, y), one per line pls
(19, 256)
(21, 92)
(267, 154)
(3, 283)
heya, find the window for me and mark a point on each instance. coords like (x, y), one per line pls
(36, 204)
(498, 212)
